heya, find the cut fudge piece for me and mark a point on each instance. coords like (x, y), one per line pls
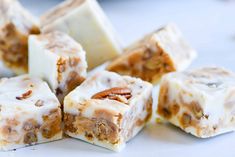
(108, 109)
(201, 102)
(58, 59)
(15, 25)
(30, 113)
(85, 21)
(156, 54)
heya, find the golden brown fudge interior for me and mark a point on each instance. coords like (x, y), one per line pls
(101, 127)
(145, 62)
(50, 127)
(14, 47)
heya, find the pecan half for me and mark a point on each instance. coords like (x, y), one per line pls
(25, 95)
(117, 93)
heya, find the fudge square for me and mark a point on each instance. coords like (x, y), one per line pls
(16, 24)
(85, 21)
(156, 54)
(58, 59)
(201, 102)
(30, 113)
(108, 109)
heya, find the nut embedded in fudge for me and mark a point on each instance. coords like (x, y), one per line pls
(58, 59)
(85, 21)
(156, 54)
(108, 109)
(16, 24)
(201, 102)
(30, 113)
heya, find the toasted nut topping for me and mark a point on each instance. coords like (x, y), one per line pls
(197, 110)
(153, 63)
(39, 103)
(25, 95)
(186, 120)
(73, 62)
(30, 137)
(116, 93)
(30, 125)
(61, 65)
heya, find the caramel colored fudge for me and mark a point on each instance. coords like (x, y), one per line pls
(156, 54)
(85, 21)
(16, 24)
(30, 113)
(108, 109)
(58, 59)
(201, 102)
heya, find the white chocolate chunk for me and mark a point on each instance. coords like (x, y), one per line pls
(58, 59)
(85, 21)
(16, 24)
(201, 102)
(30, 113)
(156, 54)
(108, 109)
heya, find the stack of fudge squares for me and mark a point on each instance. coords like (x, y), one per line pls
(55, 94)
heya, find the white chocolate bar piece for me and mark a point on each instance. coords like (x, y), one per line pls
(16, 24)
(108, 109)
(58, 59)
(156, 54)
(85, 21)
(30, 113)
(201, 102)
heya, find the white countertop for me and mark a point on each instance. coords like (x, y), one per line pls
(209, 25)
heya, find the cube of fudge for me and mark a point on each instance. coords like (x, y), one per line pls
(85, 21)
(30, 113)
(58, 59)
(16, 24)
(201, 102)
(156, 54)
(108, 109)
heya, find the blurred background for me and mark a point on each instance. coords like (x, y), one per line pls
(208, 25)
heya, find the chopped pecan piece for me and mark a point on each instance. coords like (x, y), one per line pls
(25, 95)
(30, 125)
(30, 137)
(116, 93)
(39, 103)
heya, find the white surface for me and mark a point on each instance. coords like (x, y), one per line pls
(209, 25)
